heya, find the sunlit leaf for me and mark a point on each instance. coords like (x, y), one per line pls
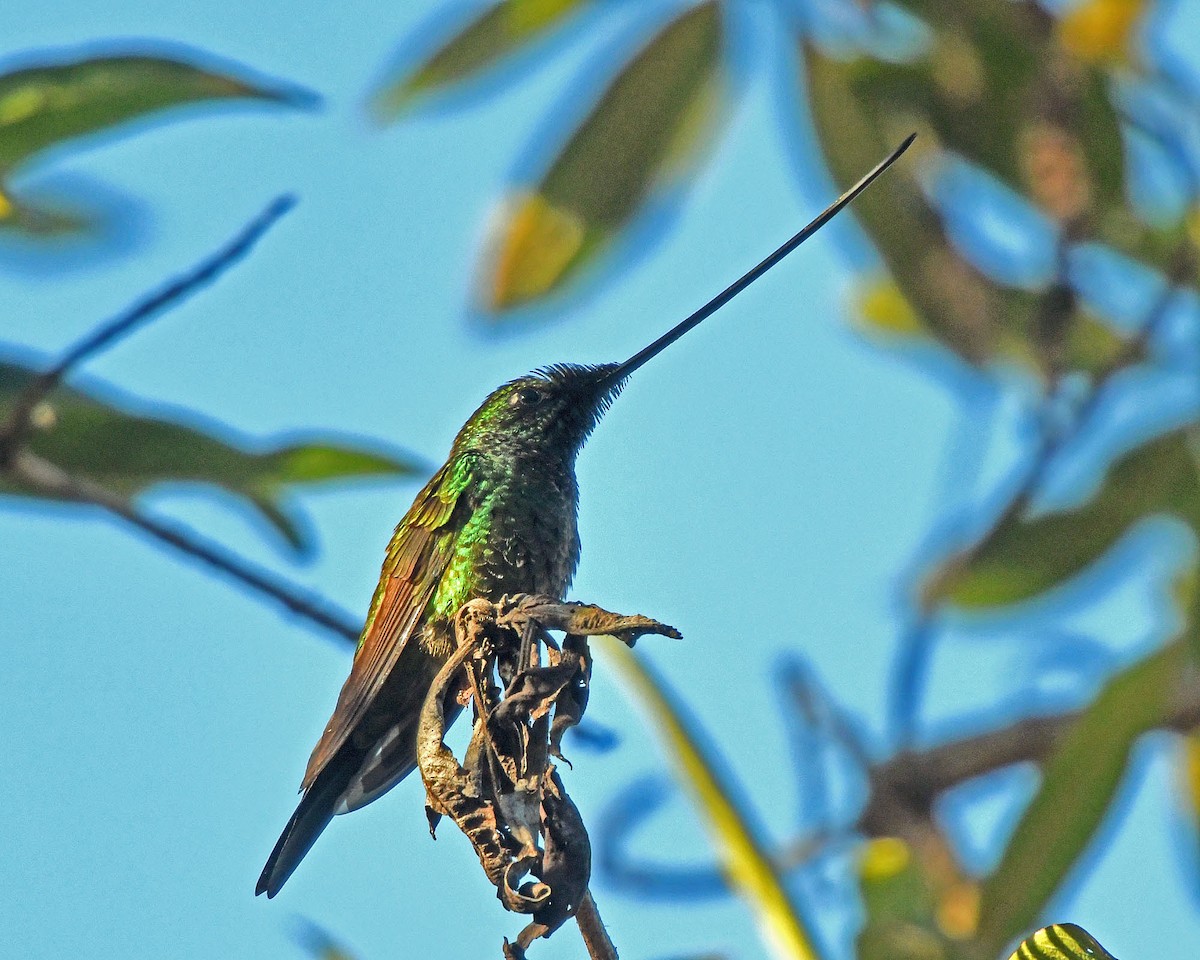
(53, 104)
(490, 38)
(128, 453)
(643, 129)
(1079, 782)
(882, 309)
(738, 841)
(1023, 558)
(1100, 30)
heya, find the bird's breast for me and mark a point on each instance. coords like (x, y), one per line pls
(530, 540)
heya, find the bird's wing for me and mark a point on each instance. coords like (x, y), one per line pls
(417, 556)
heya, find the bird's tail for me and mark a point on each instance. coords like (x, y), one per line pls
(315, 810)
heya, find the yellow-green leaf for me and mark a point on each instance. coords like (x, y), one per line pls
(1061, 941)
(738, 841)
(1101, 31)
(899, 906)
(53, 104)
(881, 309)
(127, 452)
(1079, 781)
(644, 127)
(487, 40)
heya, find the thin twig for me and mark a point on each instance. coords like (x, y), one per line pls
(49, 480)
(17, 428)
(591, 928)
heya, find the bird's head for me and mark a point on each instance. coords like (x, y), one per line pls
(552, 411)
(547, 413)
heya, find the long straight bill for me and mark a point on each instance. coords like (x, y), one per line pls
(722, 298)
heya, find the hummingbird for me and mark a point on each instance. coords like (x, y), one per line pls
(499, 517)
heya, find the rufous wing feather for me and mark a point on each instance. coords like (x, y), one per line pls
(417, 557)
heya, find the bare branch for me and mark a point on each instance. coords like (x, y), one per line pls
(17, 428)
(902, 792)
(591, 928)
(46, 478)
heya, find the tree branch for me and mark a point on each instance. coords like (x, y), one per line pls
(46, 478)
(909, 782)
(902, 792)
(592, 930)
(16, 429)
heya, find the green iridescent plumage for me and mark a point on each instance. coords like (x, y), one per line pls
(498, 518)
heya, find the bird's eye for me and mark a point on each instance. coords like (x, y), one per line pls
(529, 396)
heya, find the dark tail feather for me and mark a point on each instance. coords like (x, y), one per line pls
(311, 817)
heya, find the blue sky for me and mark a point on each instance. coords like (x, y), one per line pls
(158, 720)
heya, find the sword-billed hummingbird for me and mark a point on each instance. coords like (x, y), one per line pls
(498, 518)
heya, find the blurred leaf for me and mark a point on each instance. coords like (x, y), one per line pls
(129, 453)
(645, 125)
(319, 944)
(899, 906)
(497, 33)
(1079, 782)
(1092, 345)
(1100, 31)
(749, 870)
(38, 221)
(882, 309)
(1026, 557)
(994, 87)
(1061, 941)
(54, 104)
(1188, 768)
(953, 302)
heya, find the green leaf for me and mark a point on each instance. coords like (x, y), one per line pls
(1079, 782)
(899, 905)
(1023, 558)
(1061, 941)
(738, 841)
(52, 105)
(1043, 122)
(129, 453)
(495, 35)
(645, 127)
(942, 295)
(39, 221)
